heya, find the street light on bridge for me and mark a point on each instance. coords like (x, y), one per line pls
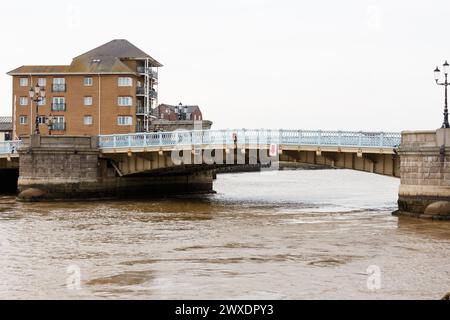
(37, 94)
(437, 75)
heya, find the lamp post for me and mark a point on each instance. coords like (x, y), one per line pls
(437, 74)
(37, 94)
(50, 121)
(179, 111)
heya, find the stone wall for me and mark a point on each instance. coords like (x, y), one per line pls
(64, 167)
(425, 174)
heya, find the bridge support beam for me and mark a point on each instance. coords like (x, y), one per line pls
(425, 175)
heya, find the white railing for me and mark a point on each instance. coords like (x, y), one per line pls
(9, 147)
(253, 137)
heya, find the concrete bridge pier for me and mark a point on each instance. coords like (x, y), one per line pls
(65, 167)
(425, 175)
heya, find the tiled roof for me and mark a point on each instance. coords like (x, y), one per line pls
(6, 124)
(104, 59)
(190, 109)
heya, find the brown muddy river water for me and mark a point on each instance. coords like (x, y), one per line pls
(290, 235)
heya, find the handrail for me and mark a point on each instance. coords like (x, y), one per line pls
(9, 147)
(254, 137)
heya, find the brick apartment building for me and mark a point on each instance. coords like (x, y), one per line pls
(109, 90)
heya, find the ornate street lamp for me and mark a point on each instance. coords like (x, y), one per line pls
(50, 122)
(37, 94)
(437, 75)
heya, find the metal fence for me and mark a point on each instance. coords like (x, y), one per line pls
(253, 137)
(9, 147)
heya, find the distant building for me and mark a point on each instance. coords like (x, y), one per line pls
(179, 112)
(170, 118)
(6, 128)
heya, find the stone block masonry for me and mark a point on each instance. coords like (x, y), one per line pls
(425, 174)
(65, 167)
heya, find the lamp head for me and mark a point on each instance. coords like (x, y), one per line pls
(446, 68)
(437, 74)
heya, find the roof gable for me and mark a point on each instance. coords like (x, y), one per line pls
(104, 59)
(121, 49)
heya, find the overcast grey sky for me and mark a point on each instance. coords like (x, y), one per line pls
(349, 64)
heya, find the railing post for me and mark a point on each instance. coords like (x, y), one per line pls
(381, 139)
(129, 141)
(160, 139)
(340, 138)
(300, 137)
(360, 138)
(319, 142)
(114, 141)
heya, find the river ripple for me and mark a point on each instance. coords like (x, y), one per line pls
(289, 235)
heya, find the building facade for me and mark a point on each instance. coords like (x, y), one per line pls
(109, 90)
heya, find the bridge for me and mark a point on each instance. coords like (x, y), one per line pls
(110, 166)
(364, 151)
(146, 152)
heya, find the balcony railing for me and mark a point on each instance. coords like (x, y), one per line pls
(59, 88)
(141, 91)
(153, 74)
(59, 126)
(140, 110)
(58, 107)
(140, 128)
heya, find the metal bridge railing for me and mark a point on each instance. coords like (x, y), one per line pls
(9, 147)
(253, 137)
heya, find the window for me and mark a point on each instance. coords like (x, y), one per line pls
(88, 101)
(42, 82)
(125, 82)
(42, 102)
(59, 85)
(125, 101)
(23, 82)
(87, 120)
(125, 121)
(23, 120)
(59, 104)
(23, 101)
(41, 120)
(58, 124)
(88, 82)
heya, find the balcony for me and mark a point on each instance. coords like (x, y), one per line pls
(140, 128)
(140, 91)
(59, 88)
(59, 126)
(153, 74)
(140, 110)
(58, 107)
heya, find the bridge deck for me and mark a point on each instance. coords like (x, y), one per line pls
(345, 141)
